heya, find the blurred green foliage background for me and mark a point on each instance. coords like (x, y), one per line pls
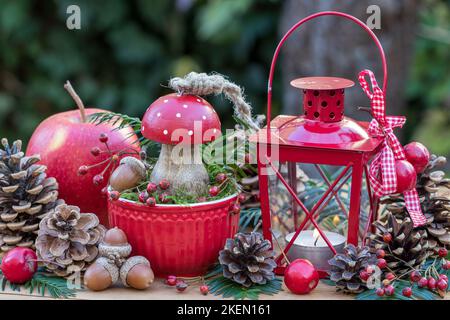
(127, 50)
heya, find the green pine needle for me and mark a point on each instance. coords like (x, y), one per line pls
(120, 121)
(219, 285)
(41, 284)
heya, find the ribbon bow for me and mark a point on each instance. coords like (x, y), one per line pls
(382, 174)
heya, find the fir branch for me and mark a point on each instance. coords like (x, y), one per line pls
(219, 285)
(120, 121)
(41, 284)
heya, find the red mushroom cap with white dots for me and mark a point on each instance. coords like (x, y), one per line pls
(175, 118)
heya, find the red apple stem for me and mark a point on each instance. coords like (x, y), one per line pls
(77, 100)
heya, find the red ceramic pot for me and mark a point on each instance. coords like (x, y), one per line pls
(183, 240)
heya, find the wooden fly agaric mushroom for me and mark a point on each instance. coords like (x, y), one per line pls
(181, 123)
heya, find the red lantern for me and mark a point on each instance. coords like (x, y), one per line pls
(321, 136)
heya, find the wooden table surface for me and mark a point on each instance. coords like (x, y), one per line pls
(160, 291)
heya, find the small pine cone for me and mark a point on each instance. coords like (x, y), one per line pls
(248, 259)
(346, 268)
(68, 240)
(408, 248)
(26, 196)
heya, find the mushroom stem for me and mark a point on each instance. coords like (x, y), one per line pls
(77, 100)
(179, 168)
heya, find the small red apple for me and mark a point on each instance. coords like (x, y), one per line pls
(19, 265)
(418, 155)
(406, 176)
(301, 277)
(64, 142)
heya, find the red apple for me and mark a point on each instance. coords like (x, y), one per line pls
(301, 277)
(406, 176)
(19, 265)
(418, 155)
(64, 142)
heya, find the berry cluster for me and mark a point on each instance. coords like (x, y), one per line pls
(110, 162)
(181, 284)
(158, 193)
(430, 280)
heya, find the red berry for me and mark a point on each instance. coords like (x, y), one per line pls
(151, 201)
(380, 292)
(114, 195)
(390, 276)
(423, 282)
(431, 283)
(171, 280)
(204, 289)
(83, 170)
(407, 292)
(364, 275)
(214, 191)
(235, 208)
(181, 285)
(98, 179)
(387, 237)
(381, 263)
(443, 277)
(201, 199)
(380, 253)
(442, 284)
(446, 265)
(442, 252)
(19, 265)
(221, 177)
(241, 197)
(415, 276)
(143, 196)
(389, 290)
(164, 184)
(103, 137)
(152, 187)
(95, 151)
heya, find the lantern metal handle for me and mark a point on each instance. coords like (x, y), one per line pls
(296, 26)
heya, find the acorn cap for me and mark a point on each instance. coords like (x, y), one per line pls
(129, 264)
(107, 250)
(110, 267)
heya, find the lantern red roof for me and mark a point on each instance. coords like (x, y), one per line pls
(175, 118)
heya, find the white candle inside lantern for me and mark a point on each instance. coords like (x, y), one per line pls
(311, 246)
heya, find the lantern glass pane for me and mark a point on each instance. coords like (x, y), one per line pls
(310, 186)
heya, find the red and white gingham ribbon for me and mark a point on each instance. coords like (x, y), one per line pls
(382, 175)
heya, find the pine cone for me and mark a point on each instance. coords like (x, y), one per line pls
(248, 259)
(67, 240)
(434, 193)
(408, 247)
(346, 268)
(26, 196)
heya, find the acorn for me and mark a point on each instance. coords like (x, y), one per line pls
(128, 174)
(137, 273)
(115, 242)
(101, 275)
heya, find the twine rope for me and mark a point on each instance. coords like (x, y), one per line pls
(203, 84)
